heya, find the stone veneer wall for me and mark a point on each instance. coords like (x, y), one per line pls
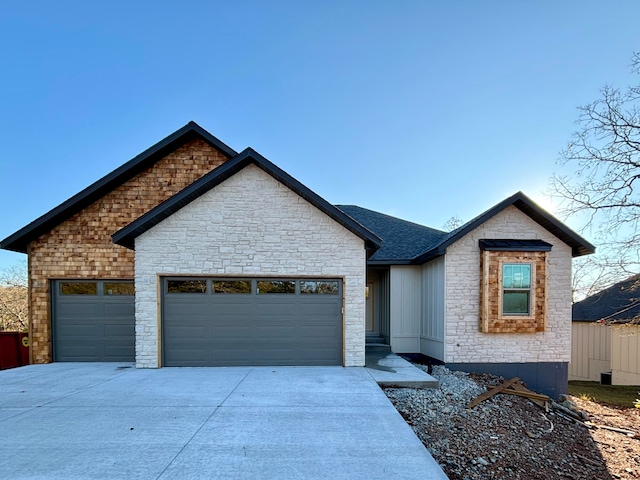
(464, 343)
(81, 246)
(249, 225)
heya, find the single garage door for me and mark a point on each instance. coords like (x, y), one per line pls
(93, 321)
(225, 322)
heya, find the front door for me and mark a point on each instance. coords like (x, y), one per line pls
(370, 321)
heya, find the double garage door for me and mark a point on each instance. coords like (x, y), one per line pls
(224, 322)
(205, 321)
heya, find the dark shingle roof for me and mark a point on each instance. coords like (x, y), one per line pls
(409, 243)
(402, 241)
(620, 302)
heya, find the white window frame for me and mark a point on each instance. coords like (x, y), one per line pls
(530, 291)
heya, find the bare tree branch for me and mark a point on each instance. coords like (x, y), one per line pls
(14, 307)
(605, 155)
(451, 224)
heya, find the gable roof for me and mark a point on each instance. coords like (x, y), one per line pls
(407, 243)
(579, 246)
(19, 240)
(620, 302)
(127, 235)
(402, 241)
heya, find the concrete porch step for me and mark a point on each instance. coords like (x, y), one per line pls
(378, 346)
(374, 339)
(390, 370)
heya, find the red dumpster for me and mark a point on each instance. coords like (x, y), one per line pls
(14, 349)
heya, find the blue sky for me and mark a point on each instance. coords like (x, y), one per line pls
(419, 109)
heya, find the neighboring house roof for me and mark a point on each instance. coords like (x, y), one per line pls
(620, 302)
(126, 236)
(402, 241)
(579, 246)
(19, 241)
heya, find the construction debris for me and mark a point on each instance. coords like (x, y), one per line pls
(513, 386)
(492, 392)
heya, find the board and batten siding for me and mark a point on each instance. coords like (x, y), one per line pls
(625, 354)
(433, 298)
(249, 225)
(405, 308)
(590, 351)
(598, 348)
(417, 309)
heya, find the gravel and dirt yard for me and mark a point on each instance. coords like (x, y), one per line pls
(509, 437)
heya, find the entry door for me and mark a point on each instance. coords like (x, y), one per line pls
(370, 321)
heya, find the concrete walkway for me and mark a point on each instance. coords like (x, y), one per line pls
(79, 421)
(391, 370)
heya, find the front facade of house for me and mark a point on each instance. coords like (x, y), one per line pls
(268, 238)
(194, 255)
(493, 296)
(455, 327)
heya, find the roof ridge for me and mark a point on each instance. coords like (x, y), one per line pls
(579, 246)
(395, 218)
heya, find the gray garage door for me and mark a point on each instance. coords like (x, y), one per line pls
(224, 322)
(93, 321)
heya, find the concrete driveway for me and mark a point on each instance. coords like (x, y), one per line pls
(81, 420)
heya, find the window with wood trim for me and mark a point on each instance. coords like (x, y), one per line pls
(516, 289)
(513, 286)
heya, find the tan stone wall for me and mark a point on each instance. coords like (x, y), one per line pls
(464, 342)
(491, 318)
(81, 246)
(223, 233)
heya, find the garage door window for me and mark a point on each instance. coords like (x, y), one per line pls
(78, 288)
(119, 288)
(187, 286)
(219, 286)
(276, 286)
(319, 287)
(232, 286)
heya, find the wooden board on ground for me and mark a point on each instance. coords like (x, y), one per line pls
(492, 392)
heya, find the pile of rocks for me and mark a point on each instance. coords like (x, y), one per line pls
(503, 437)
